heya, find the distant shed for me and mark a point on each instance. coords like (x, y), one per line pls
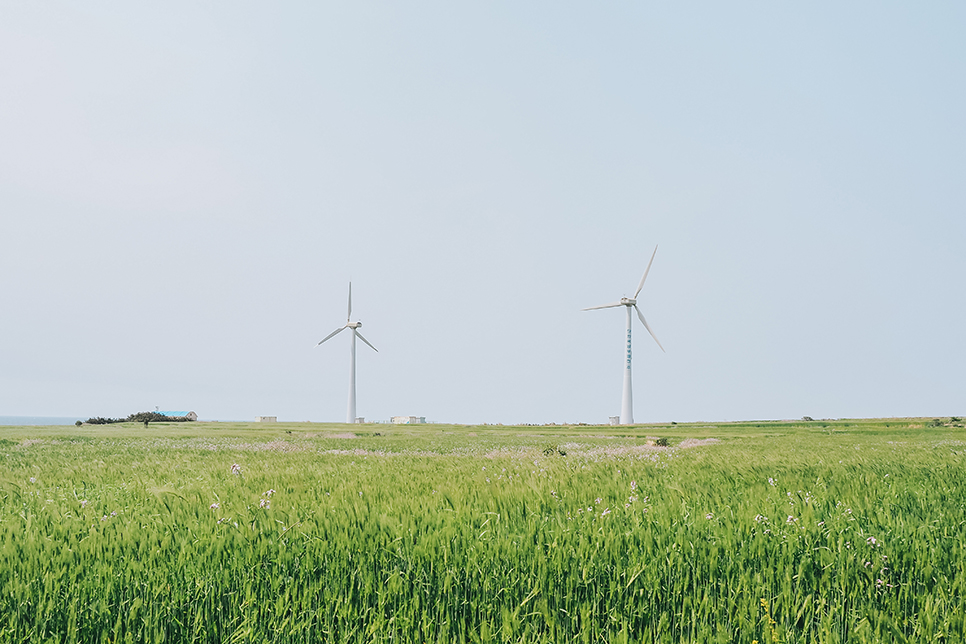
(408, 420)
(190, 415)
(266, 419)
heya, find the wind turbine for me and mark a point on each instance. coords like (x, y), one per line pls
(351, 412)
(627, 398)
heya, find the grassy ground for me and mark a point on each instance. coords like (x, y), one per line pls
(825, 531)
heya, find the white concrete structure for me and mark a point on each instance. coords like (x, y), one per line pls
(266, 419)
(355, 326)
(627, 395)
(409, 420)
(614, 420)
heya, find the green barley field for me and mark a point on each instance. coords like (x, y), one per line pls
(790, 532)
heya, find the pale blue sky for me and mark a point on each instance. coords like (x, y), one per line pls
(186, 190)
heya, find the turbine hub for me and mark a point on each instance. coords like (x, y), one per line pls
(627, 301)
(354, 325)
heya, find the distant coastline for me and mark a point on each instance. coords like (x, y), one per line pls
(39, 420)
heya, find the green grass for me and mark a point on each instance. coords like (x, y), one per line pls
(844, 531)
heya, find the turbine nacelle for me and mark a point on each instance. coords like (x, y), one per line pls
(353, 325)
(626, 301)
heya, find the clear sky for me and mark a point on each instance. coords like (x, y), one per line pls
(187, 188)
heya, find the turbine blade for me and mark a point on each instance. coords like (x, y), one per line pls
(366, 341)
(605, 306)
(644, 322)
(336, 332)
(646, 271)
(348, 316)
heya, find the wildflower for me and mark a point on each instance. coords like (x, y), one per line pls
(214, 506)
(236, 469)
(265, 503)
(790, 519)
(872, 541)
(709, 516)
(759, 518)
(113, 513)
(33, 479)
(104, 518)
(605, 512)
(84, 503)
(633, 486)
(597, 501)
(360, 492)
(633, 498)
(771, 482)
(268, 494)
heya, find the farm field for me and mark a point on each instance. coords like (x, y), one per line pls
(791, 532)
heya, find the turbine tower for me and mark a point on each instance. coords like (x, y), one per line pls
(627, 398)
(349, 324)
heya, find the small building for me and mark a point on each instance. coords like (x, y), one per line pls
(189, 415)
(360, 420)
(408, 420)
(266, 419)
(614, 420)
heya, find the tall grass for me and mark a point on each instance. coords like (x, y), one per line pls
(774, 534)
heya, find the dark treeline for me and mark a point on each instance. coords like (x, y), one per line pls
(139, 417)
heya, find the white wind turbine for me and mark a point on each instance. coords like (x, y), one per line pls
(351, 412)
(627, 401)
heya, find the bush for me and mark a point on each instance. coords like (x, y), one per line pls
(102, 421)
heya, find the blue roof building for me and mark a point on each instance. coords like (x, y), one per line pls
(190, 415)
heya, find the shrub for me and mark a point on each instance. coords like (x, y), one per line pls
(97, 420)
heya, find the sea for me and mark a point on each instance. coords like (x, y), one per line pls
(39, 420)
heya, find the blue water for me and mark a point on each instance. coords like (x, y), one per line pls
(39, 420)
